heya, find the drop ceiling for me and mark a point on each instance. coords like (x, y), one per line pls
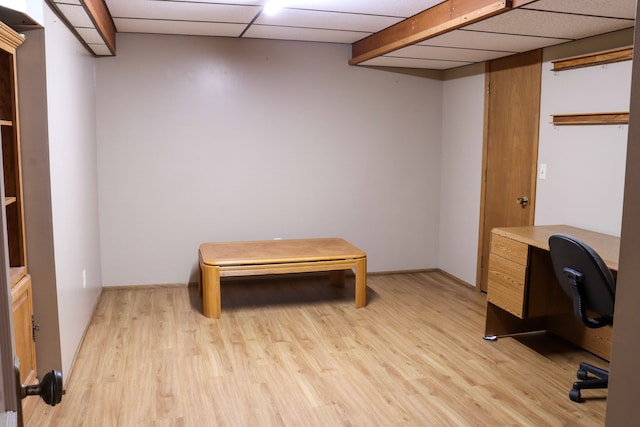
(526, 26)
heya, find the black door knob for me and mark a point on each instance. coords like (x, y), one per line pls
(49, 389)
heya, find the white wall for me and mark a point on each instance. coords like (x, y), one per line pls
(585, 164)
(73, 163)
(461, 171)
(205, 139)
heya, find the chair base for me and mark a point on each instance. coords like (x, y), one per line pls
(601, 380)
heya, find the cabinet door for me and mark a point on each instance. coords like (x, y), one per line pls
(23, 330)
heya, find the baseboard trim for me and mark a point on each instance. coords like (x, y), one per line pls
(388, 272)
(131, 287)
(455, 279)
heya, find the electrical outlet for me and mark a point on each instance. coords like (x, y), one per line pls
(84, 278)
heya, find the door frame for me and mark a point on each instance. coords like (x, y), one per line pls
(483, 177)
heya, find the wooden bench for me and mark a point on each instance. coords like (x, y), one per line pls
(229, 259)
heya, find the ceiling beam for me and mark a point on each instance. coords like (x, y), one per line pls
(99, 14)
(446, 16)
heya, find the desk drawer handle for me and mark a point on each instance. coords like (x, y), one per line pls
(523, 201)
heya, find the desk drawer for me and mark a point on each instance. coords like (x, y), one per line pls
(506, 285)
(509, 249)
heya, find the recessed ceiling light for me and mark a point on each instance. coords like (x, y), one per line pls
(271, 7)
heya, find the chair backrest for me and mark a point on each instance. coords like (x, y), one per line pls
(585, 277)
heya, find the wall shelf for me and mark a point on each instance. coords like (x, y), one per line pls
(617, 118)
(597, 58)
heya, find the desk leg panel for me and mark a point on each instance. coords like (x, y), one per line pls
(597, 341)
(211, 304)
(361, 282)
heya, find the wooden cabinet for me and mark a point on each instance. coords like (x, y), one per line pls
(21, 297)
(20, 280)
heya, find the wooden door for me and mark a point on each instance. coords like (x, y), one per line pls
(512, 112)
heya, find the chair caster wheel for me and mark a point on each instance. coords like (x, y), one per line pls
(574, 395)
(581, 374)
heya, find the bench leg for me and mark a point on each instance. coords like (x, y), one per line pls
(210, 291)
(361, 282)
(336, 278)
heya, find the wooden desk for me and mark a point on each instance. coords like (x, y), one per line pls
(523, 294)
(277, 257)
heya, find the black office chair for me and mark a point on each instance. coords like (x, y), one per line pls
(584, 276)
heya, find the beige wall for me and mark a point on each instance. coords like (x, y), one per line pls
(461, 170)
(205, 139)
(70, 216)
(230, 99)
(585, 164)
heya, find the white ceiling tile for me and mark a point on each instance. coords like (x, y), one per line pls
(183, 11)
(386, 61)
(90, 35)
(328, 20)
(100, 49)
(401, 8)
(76, 15)
(446, 53)
(242, 2)
(615, 9)
(490, 41)
(303, 34)
(178, 27)
(549, 24)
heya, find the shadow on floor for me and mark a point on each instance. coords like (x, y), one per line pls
(274, 290)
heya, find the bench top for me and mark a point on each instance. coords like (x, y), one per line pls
(277, 251)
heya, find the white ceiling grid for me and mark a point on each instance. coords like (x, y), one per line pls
(538, 24)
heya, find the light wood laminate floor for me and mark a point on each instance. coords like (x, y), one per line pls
(293, 351)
